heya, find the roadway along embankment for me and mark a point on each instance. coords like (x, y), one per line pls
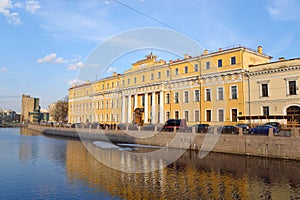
(254, 145)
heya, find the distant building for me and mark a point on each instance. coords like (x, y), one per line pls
(30, 109)
(9, 116)
(44, 115)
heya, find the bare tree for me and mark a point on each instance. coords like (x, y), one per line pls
(59, 111)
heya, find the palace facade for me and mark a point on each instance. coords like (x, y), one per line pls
(212, 88)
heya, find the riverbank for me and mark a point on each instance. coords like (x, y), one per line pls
(254, 145)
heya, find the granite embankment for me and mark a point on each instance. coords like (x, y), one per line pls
(264, 146)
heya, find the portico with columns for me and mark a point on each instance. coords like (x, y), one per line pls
(149, 98)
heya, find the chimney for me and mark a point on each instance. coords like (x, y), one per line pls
(186, 56)
(281, 58)
(259, 49)
(205, 52)
(220, 49)
(114, 73)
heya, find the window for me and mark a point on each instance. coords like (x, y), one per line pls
(117, 118)
(264, 90)
(197, 96)
(117, 83)
(186, 115)
(197, 116)
(168, 98)
(221, 115)
(292, 88)
(98, 105)
(102, 104)
(167, 115)
(176, 71)
(186, 69)
(158, 75)
(176, 97)
(233, 60)
(123, 82)
(220, 63)
(196, 67)
(107, 85)
(134, 80)
(143, 78)
(234, 92)
(176, 114)
(158, 98)
(143, 100)
(167, 73)
(152, 76)
(128, 81)
(234, 115)
(111, 117)
(117, 103)
(207, 65)
(207, 95)
(112, 103)
(112, 84)
(266, 110)
(186, 97)
(220, 93)
(106, 117)
(106, 103)
(208, 115)
(102, 86)
(150, 100)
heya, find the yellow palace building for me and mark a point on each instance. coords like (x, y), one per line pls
(209, 88)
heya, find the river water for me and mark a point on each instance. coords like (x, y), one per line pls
(34, 166)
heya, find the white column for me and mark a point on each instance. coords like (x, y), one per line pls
(146, 109)
(153, 108)
(129, 109)
(123, 109)
(135, 101)
(161, 107)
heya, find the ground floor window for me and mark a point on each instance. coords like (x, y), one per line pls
(186, 116)
(208, 115)
(197, 116)
(234, 113)
(167, 115)
(176, 114)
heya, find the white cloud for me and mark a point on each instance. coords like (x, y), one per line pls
(51, 58)
(75, 66)
(32, 6)
(111, 69)
(76, 82)
(6, 7)
(284, 10)
(3, 69)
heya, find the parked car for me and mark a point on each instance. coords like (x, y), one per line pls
(201, 128)
(229, 130)
(121, 126)
(77, 125)
(245, 127)
(263, 130)
(179, 124)
(275, 124)
(68, 125)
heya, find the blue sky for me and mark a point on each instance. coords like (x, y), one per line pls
(44, 42)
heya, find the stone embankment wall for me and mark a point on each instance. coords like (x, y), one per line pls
(255, 145)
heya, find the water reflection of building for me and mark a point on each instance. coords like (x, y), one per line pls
(218, 176)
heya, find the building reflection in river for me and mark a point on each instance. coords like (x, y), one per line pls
(217, 176)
